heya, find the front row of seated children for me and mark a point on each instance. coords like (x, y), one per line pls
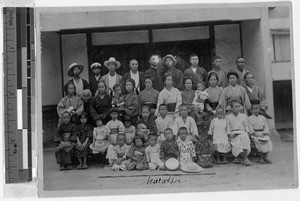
(127, 148)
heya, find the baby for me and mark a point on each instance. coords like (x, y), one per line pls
(200, 96)
(118, 99)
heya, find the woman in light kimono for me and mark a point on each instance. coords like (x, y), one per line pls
(234, 92)
(170, 96)
(71, 103)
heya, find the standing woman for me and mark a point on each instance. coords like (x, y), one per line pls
(170, 96)
(70, 103)
(132, 106)
(214, 92)
(255, 93)
(188, 95)
(149, 95)
(101, 103)
(234, 92)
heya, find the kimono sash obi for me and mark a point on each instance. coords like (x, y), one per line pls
(151, 105)
(213, 105)
(114, 131)
(258, 130)
(171, 107)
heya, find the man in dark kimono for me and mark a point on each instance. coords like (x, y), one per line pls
(155, 72)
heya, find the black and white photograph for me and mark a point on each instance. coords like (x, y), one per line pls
(149, 99)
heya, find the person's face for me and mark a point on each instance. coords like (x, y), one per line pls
(213, 81)
(141, 126)
(118, 91)
(232, 80)
(129, 86)
(133, 65)
(249, 79)
(188, 84)
(169, 62)
(154, 60)
(127, 124)
(83, 120)
(217, 63)
(66, 118)
(101, 88)
(71, 89)
(182, 134)
(111, 67)
(99, 123)
(219, 113)
(152, 141)
(114, 115)
(96, 71)
(240, 63)
(148, 83)
(194, 61)
(255, 109)
(121, 140)
(76, 71)
(169, 81)
(145, 113)
(236, 108)
(163, 110)
(85, 97)
(200, 86)
(183, 111)
(138, 142)
(168, 135)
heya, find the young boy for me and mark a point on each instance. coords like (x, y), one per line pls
(163, 122)
(185, 121)
(260, 133)
(237, 129)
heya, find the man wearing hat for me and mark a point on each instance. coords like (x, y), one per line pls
(111, 78)
(74, 71)
(155, 72)
(136, 75)
(169, 63)
(94, 79)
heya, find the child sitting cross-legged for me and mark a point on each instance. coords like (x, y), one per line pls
(169, 148)
(153, 152)
(260, 133)
(118, 155)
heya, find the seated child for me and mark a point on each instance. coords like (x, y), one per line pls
(204, 149)
(218, 130)
(152, 153)
(148, 119)
(118, 100)
(84, 133)
(129, 131)
(163, 122)
(186, 148)
(169, 148)
(114, 127)
(118, 156)
(65, 140)
(100, 142)
(199, 100)
(143, 131)
(237, 129)
(136, 155)
(185, 121)
(258, 129)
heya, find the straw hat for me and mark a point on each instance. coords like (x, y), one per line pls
(99, 147)
(169, 56)
(72, 66)
(112, 60)
(191, 167)
(96, 64)
(172, 164)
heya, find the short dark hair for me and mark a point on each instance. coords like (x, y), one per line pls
(162, 105)
(233, 102)
(145, 107)
(183, 105)
(193, 55)
(121, 134)
(82, 114)
(168, 129)
(114, 110)
(152, 135)
(138, 137)
(116, 86)
(255, 102)
(182, 129)
(216, 57)
(238, 59)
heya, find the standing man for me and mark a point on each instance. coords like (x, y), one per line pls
(169, 62)
(96, 69)
(74, 71)
(222, 75)
(134, 74)
(155, 72)
(111, 78)
(241, 71)
(196, 73)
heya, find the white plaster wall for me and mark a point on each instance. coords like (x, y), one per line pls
(281, 71)
(74, 50)
(228, 46)
(51, 68)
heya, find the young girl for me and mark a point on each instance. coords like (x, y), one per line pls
(118, 99)
(65, 140)
(163, 122)
(129, 131)
(169, 148)
(237, 129)
(84, 134)
(186, 149)
(218, 130)
(119, 152)
(148, 119)
(136, 155)
(100, 142)
(259, 130)
(152, 153)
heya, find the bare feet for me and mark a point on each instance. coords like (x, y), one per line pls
(237, 161)
(246, 162)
